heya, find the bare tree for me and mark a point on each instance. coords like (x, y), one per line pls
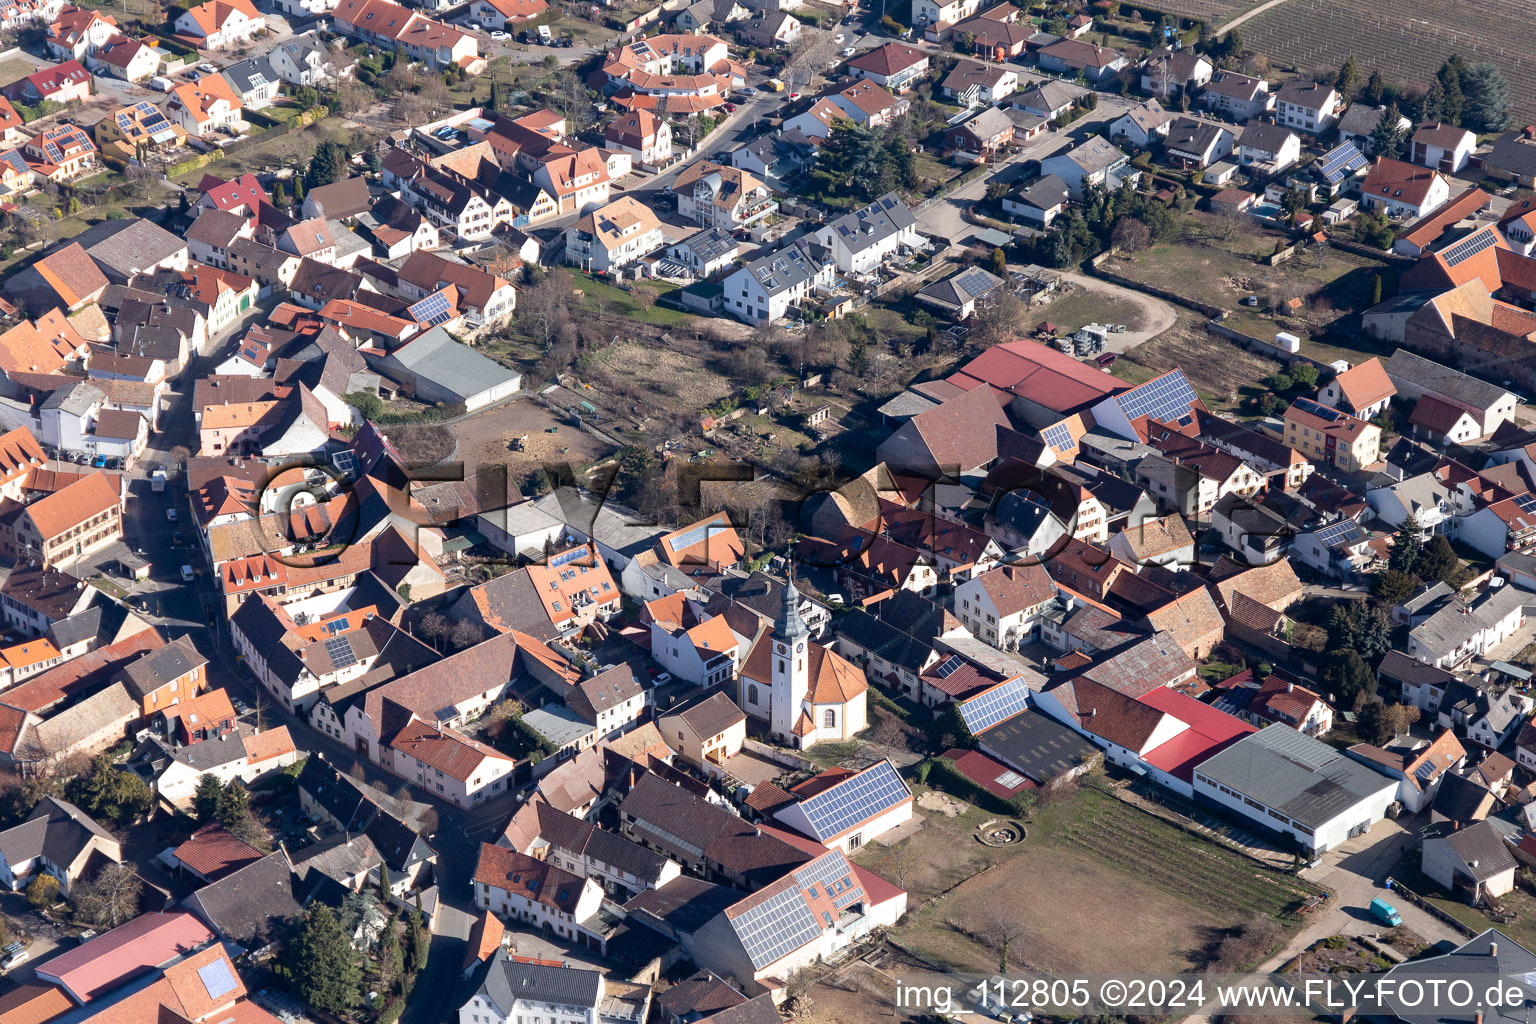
(811, 49)
(1131, 235)
(544, 308)
(1001, 932)
(109, 899)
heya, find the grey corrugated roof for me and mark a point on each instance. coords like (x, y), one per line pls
(1442, 380)
(456, 367)
(1297, 775)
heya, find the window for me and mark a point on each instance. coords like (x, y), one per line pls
(829, 719)
(751, 693)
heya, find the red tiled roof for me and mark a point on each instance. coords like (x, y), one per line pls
(213, 852)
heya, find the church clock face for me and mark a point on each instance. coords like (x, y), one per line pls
(800, 648)
(781, 648)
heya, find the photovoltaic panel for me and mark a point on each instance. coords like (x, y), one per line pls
(1525, 503)
(854, 800)
(1166, 398)
(776, 927)
(1467, 248)
(998, 704)
(217, 979)
(432, 310)
(339, 649)
(949, 667)
(1057, 436)
(1346, 531)
(1318, 409)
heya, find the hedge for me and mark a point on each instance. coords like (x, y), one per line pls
(942, 774)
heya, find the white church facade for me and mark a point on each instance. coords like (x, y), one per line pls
(806, 693)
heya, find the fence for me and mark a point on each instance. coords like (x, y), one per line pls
(1204, 309)
(1262, 347)
(1429, 908)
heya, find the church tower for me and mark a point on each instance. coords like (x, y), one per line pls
(791, 674)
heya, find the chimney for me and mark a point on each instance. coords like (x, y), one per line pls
(1290, 687)
(1493, 947)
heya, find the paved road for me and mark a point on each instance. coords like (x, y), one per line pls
(945, 218)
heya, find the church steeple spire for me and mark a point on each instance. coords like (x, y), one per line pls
(789, 624)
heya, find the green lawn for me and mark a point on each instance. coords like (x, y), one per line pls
(601, 296)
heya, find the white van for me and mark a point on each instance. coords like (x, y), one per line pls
(161, 84)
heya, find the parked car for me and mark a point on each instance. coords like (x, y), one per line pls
(499, 35)
(474, 26)
(730, 108)
(99, 462)
(170, 514)
(208, 69)
(846, 51)
(187, 574)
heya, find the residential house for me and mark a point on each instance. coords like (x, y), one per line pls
(254, 80)
(1402, 190)
(537, 894)
(765, 289)
(77, 34)
(503, 989)
(67, 83)
(843, 809)
(57, 839)
(1074, 57)
(505, 14)
(1004, 606)
(1240, 97)
(1039, 201)
(612, 237)
(1476, 862)
(1095, 161)
(305, 60)
(862, 240)
(1442, 147)
(865, 103)
(165, 677)
(971, 83)
(1364, 390)
(1049, 99)
(894, 66)
(712, 195)
(60, 528)
(1460, 630)
(221, 24)
(1191, 143)
(1166, 72)
(1142, 125)
(383, 23)
(1331, 436)
(643, 135)
(705, 733)
(1267, 149)
(61, 152)
(206, 107)
(981, 139)
(1307, 106)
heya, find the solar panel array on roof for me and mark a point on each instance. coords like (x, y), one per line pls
(339, 649)
(950, 666)
(776, 927)
(998, 704)
(1346, 531)
(974, 280)
(1341, 160)
(432, 310)
(1525, 503)
(1057, 436)
(217, 979)
(833, 874)
(1467, 248)
(1318, 409)
(835, 810)
(1167, 398)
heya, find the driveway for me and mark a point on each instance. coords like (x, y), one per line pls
(1159, 315)
(1354, 873)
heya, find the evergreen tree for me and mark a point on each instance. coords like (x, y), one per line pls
(1348, 79)
(1348, 678)
(1406, 547)
(1432, 106)
(1389, 135)
(329, 164)
(1376, 290)
(495, 95)
(279, 195)
(1486, 98)
(1449, 77)
(1392, 588)
(322, 963)
(298, 189)
(1000, 263)
(1375, 89)
(234, 805)
(1438, 560)
(1343, 627)
(206, 800)
(418, 942)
